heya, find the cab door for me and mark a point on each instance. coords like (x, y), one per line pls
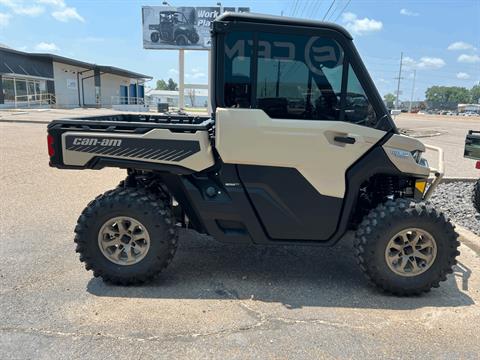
(295, 129)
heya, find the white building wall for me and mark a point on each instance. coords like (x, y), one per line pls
(111, 87)
(66, 86)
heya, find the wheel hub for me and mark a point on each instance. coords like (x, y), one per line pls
(411, 252)
(123, 240)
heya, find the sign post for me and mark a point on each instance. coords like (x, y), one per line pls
(181, 78)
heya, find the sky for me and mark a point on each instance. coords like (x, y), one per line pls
(440, 39)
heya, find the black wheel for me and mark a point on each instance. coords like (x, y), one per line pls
(154, 36)
(406, 248)
(126, 236)
(181, 40)
(193, 38)
(476, 195)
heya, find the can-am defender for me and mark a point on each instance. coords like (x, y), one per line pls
(472, 151)
(299, 150)
(174, 28)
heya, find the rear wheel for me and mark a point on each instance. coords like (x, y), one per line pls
(126, 236)
(406, 248)
(476, 195)
(155, 36)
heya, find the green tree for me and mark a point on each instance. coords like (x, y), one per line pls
(475, 94)
(446, 97)
(161, 85)
(172, 85)
(389, 99)
(166, 85)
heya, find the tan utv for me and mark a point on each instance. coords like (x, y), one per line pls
(299, 150)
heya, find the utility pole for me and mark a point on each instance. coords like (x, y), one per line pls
(413, 91)
(398, 83)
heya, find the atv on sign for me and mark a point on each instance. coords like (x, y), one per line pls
(174, 28)
(300, 149)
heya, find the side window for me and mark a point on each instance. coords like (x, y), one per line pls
(358, 109)
(299, 77)
(238, 52)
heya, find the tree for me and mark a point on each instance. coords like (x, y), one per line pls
(172, 85)
(475, 94)
(163, 85)
(446, 97)
(389, 99)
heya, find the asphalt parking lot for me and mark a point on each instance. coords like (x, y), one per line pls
(214, 301)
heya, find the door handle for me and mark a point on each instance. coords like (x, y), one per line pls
(345, 139)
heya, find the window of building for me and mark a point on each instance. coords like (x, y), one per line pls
(8, 89)
(21, 90)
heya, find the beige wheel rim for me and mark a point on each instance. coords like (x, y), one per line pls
(411, 252)
(124, 240)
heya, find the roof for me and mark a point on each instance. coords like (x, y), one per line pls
(64, 60)
(282, 20)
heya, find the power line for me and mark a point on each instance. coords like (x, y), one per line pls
(295, 8)
(341, 12)
(333, 2)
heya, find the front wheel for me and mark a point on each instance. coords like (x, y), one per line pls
(126, 236)
(406, 248)
(155, 36)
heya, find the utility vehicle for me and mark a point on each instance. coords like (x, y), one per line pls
(299, 150)
(174, 28)
(472, 151)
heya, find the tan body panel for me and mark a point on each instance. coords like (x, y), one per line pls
(250, 136)
(197, 161)
(399, 150)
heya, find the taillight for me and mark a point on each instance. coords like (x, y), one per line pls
(51, 149)
(478, 165)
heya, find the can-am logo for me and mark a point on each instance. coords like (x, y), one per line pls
(95, 142)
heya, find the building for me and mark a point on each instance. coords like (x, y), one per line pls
(196, 98)
(30, 79)
(468, 107)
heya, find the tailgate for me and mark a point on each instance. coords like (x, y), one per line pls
(80, 145)
(472, 145)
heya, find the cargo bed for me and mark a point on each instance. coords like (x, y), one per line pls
(178, 143)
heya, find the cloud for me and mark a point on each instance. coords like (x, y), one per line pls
(173, 71)
(58, 3)
(460, 45)
(44, 46)
(67, 14)
(465, 58)
(425, 63)
(407, 12)
(430, 63)
(360, 26)
(4, 19)
(463, 76)
(18, 7)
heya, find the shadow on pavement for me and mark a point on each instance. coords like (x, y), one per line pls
(294, 276)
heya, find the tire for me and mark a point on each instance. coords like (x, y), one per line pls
(155, 36)
(181, 40)
(380, 227)
(476, 195)
(194, 38)
(153, 214)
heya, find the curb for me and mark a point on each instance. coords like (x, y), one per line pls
(24, 121)
(449, 180)
(468, 238)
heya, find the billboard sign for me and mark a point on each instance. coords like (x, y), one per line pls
(184, 27)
